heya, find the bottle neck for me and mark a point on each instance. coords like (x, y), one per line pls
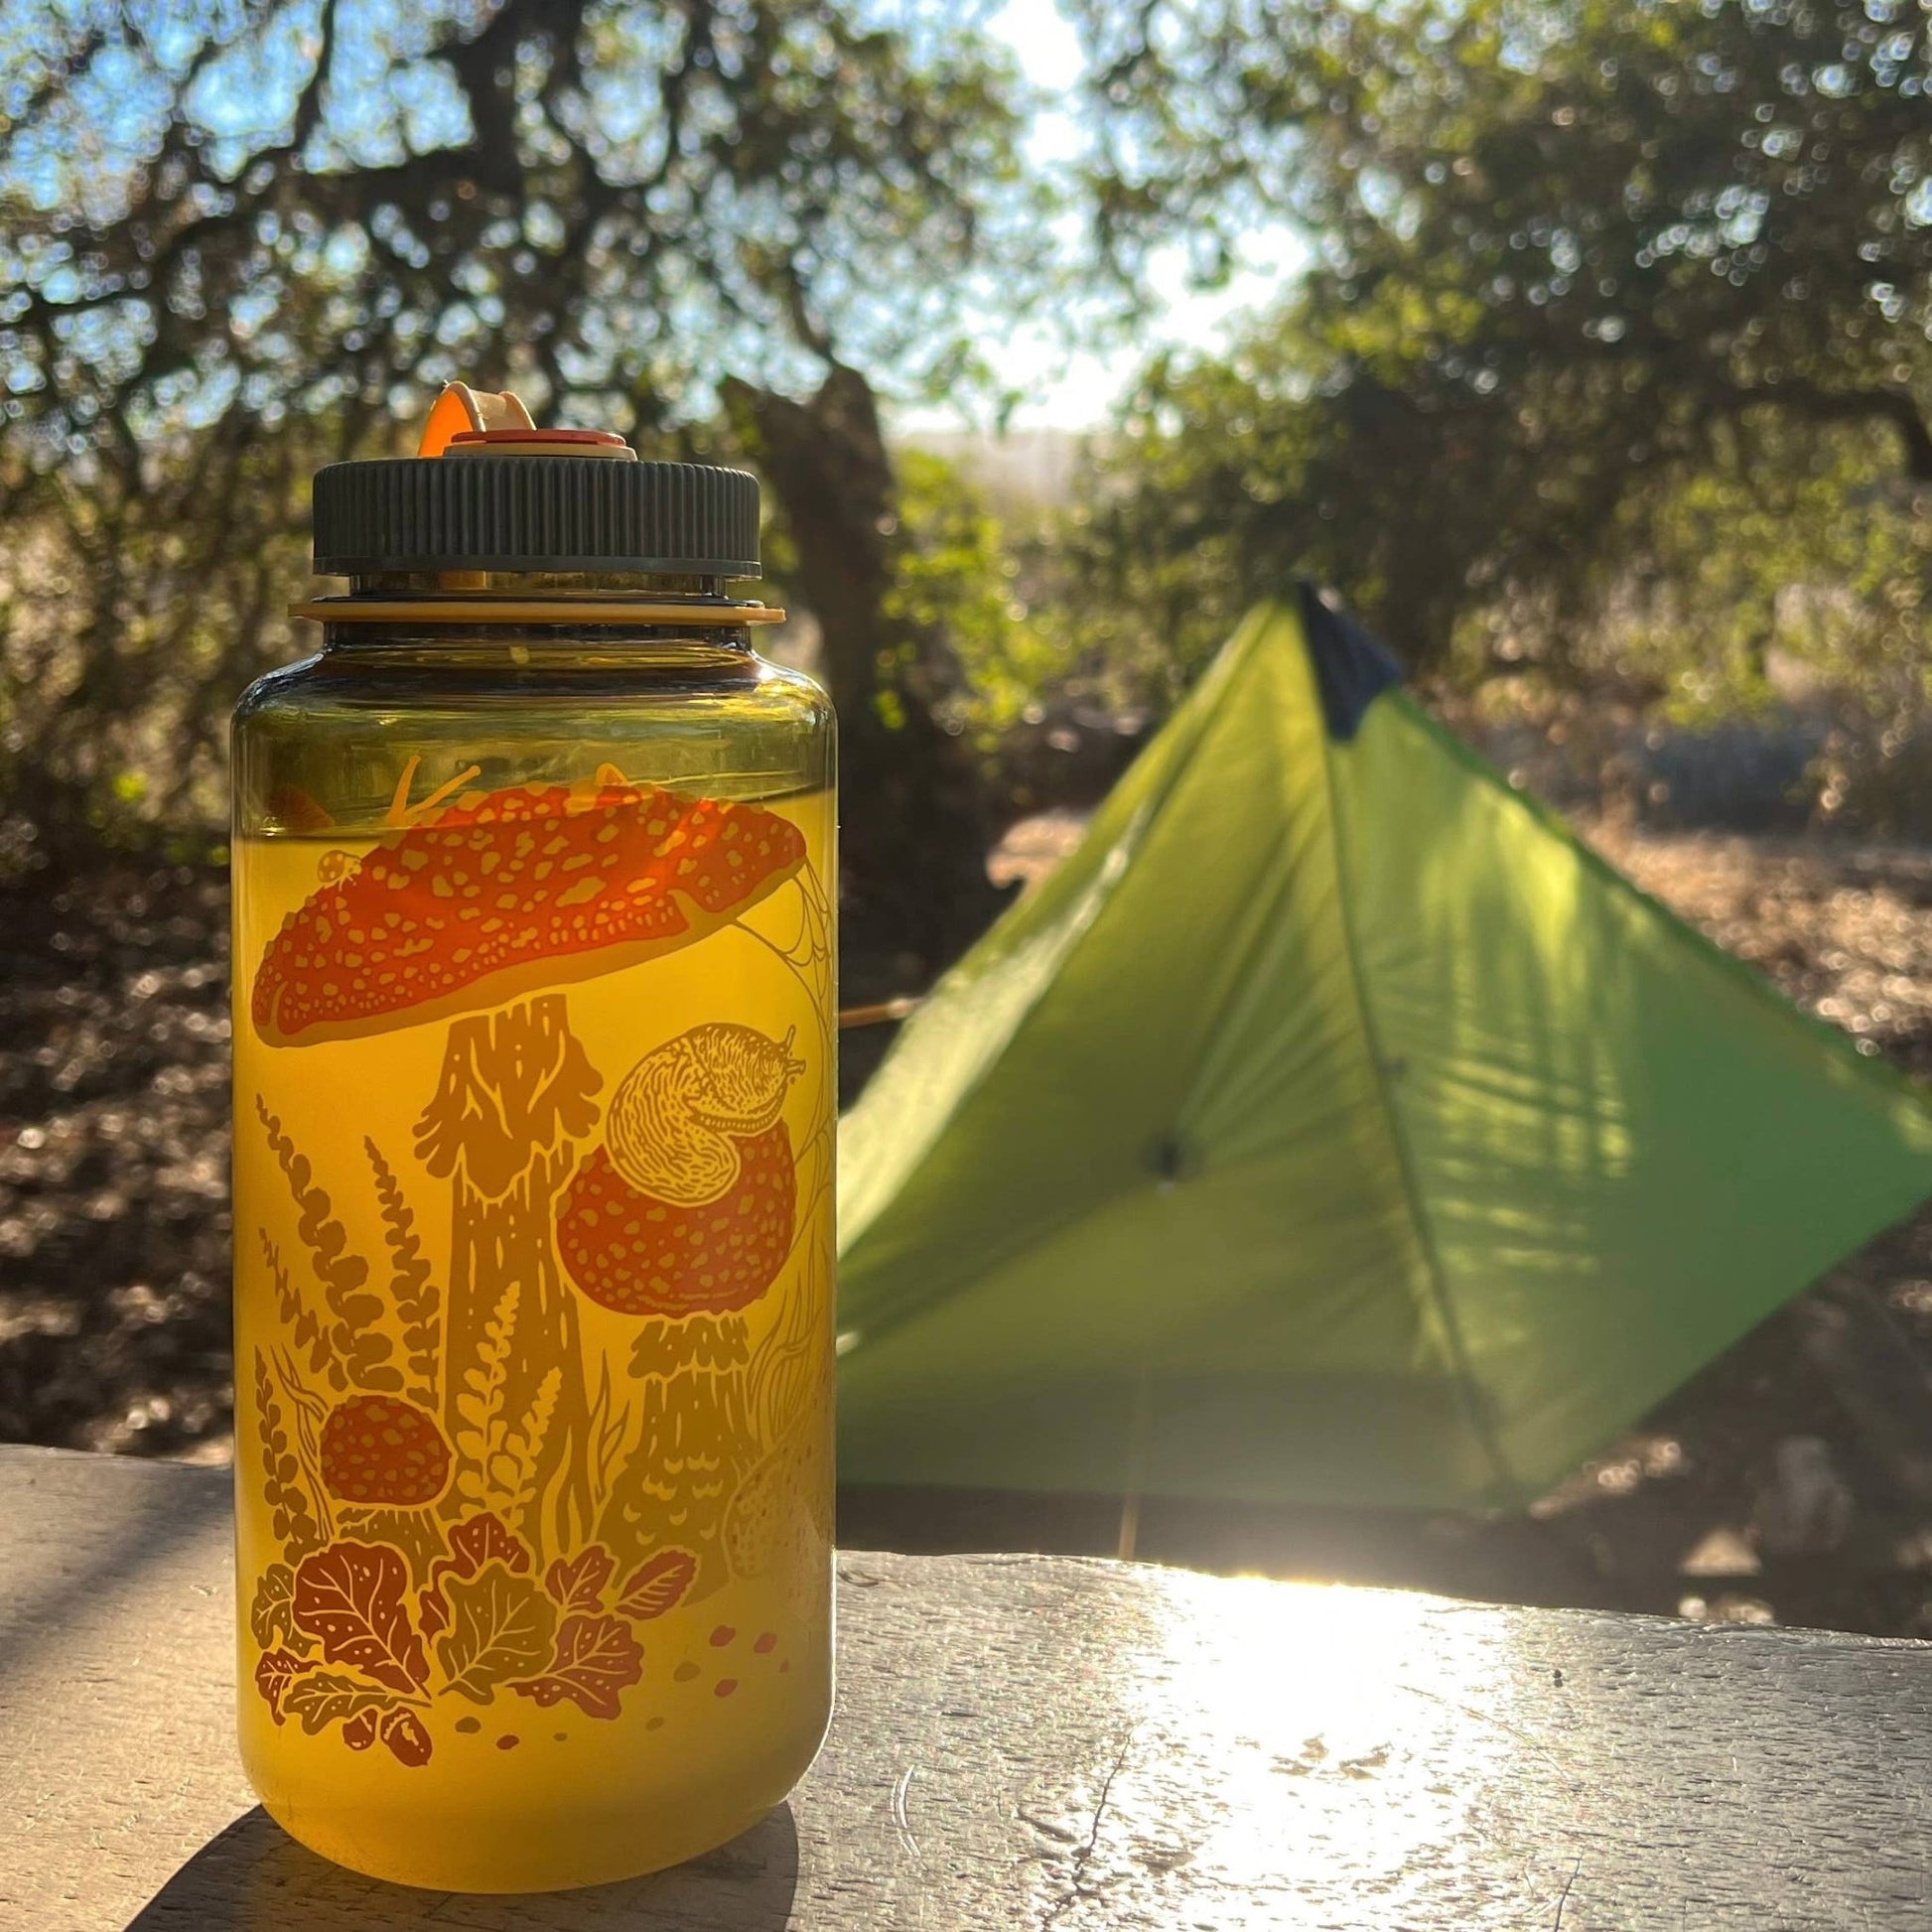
(699, 591)
(514, 618)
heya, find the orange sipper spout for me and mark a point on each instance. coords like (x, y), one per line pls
(473, 422)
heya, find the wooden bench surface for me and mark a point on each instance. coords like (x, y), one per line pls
(1031, 1742)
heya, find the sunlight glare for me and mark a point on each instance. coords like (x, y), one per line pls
(1366, 1730)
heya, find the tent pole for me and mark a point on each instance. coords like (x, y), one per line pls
(1130, 1502)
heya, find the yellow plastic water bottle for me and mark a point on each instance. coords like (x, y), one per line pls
(534, 1113)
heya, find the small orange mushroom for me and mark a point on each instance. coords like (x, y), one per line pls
(689, 1206)
(506, 893)
(380, 1449)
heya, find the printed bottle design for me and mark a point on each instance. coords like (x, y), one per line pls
(471, 1500)
(687, 1208)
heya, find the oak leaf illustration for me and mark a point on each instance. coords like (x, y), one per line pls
(658, 1584)
(432, 1606)
(597, 1658)
(475, 1541)
(403, 1733)
(273, 1674)
(484, 1538)
(500, 1627)
(350, 1596)
(579, 1584)
(271, 1617)
(324, 1696)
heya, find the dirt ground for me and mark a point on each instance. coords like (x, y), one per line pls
(1791, 1480)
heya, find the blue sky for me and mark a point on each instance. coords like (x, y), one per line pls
(1063, 386)
(1079, 390)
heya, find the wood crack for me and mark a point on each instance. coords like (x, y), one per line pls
(1078, 1889)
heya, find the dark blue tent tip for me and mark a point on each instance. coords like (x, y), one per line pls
(1352, 668)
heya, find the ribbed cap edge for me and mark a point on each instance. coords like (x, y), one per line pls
(535, 512)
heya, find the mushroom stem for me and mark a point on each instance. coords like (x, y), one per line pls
(694, 1446)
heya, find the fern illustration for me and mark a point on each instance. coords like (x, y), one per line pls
(480, 1402)
(513, 1464)
(292, 1517)
(417, 1299)
(356, 1339)
(309, 1332)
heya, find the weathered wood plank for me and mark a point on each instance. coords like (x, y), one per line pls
(1026, 1741)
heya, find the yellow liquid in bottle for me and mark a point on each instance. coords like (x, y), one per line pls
(534, 1370)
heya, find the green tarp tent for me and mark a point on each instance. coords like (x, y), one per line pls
(1332, 1127)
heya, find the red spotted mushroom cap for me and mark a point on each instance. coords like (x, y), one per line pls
(509, 893)
(381, 1449)
(689, 1206)
(634, 1253)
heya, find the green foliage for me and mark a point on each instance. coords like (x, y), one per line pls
(955, 576)
(130, 604)
(1616, 349)
(284, 209)
(1612, 363)
(1789, 551)
(238, 242)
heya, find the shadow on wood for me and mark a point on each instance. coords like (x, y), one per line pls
(255, 1877)
(1517, 1556)
(72, 1576)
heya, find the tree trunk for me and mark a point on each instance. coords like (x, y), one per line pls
(514, 1088)
(913, 825)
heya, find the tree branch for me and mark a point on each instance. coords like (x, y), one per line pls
(1887, 403)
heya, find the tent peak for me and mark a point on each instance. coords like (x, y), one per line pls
(1351, 667)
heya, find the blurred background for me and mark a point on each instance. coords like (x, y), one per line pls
(1584, 348)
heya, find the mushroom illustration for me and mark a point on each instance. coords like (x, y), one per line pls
(509, 893)
(475, 913)
(380, 1449)
(688, 1206)
(685, 1216)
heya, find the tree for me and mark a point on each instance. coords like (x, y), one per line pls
(1570, 258)
(239, 240)
(918, 848)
